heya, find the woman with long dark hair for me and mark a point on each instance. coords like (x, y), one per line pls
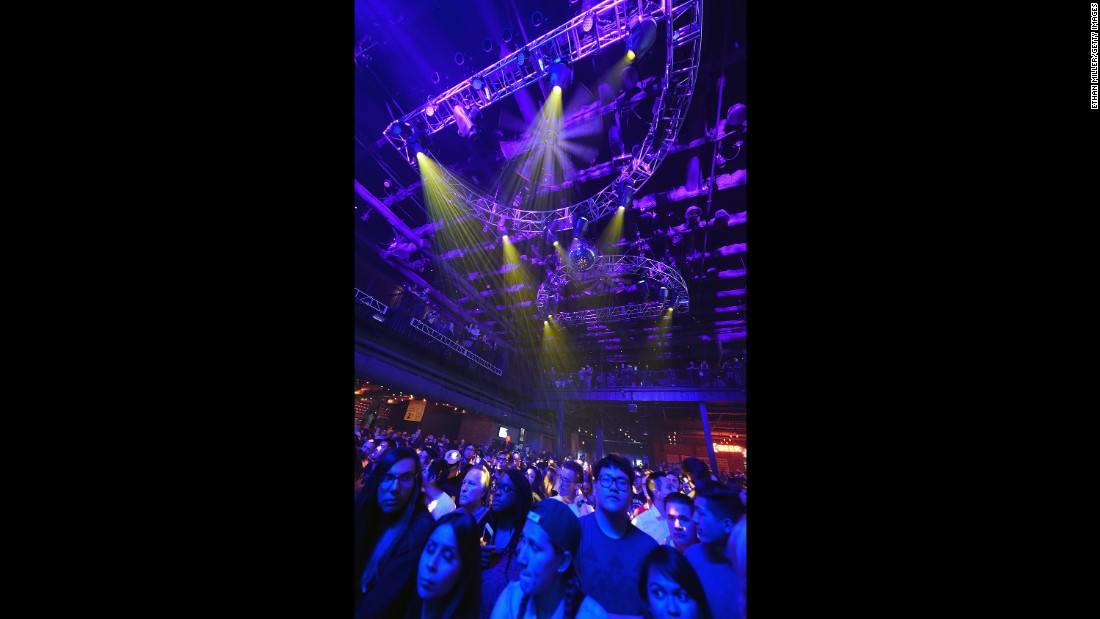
(534, 479)
(546, 556)
(670, 587)
(507, 515)
(550, 482)
(391, 524)
(448, 581)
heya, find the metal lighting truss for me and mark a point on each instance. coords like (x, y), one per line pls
(657, 273)
(453, 345)
(568, 42)
(684, 27)
(610, 314)
(370, 302)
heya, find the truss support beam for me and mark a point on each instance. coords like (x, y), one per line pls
(684, 26)
(438, 336)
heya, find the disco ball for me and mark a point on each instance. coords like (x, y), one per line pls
(582, 255)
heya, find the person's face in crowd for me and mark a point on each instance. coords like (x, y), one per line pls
(504, 494)
(669, 485)
(639, 481)
(440, 565)
(612, 488)
(468, 452)
(473, 488)
(423, 455)
(708, 525)
(567, 485)
(539, 563)
(531, 476)
(586, 486)
(745, 497)
(397, 486)
(668, 599)
(681, 525)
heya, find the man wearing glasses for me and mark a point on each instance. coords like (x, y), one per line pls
(611, 548)
(570, 475)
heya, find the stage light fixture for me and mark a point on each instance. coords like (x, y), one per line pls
(523, 56)
(477, 83)
(465, 121)
(400, 129)
(691, 216)
(430, 110)
(589, 21)
(630, 55)
(537, 18)
(626, 192)
(560, 75)
(506, 35)
(641, 38)
(662, 294)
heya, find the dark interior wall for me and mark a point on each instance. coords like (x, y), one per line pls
(438, 420)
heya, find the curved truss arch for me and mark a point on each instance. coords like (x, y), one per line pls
(683, 45)
(617, 266)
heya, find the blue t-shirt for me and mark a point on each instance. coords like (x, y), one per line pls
(608, 568)
(719, 580)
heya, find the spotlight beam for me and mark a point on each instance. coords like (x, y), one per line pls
(683, 48)
(609, 20)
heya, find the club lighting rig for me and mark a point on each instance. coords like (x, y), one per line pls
(658, 274)
(684, 25)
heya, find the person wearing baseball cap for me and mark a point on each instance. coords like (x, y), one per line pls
(453, 483)
(546, 555)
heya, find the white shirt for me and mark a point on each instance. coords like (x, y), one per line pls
(653, 524)
(507, 606)
(442, 506)
(578, 510)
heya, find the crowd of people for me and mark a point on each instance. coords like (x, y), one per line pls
(731, 373)
(461, 534)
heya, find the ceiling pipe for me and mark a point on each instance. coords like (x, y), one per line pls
(435, 295)
(422, 243)
(394, 220)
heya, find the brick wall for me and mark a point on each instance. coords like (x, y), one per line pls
(478, 429)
